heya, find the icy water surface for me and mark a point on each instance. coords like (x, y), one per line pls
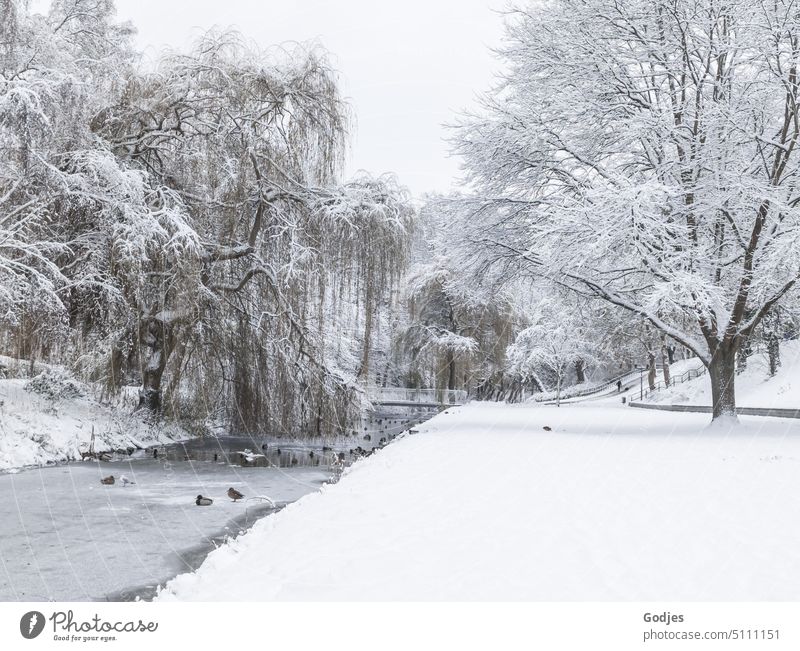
(67, 537)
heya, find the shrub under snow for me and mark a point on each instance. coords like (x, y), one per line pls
(56, 384)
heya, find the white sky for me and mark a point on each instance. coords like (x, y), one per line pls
(406, 66)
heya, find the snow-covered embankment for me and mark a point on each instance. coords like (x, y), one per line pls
(754, 386)
(41, 428)
(483, 503)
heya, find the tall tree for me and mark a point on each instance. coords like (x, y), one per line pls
(56, 71)
(555, 340)
(186, 227)
(644, 152)
(456, 332)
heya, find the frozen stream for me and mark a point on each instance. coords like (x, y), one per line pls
(67, 537)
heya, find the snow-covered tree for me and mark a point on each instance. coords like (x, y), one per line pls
(186, 226)
(644, 152)
(55, 72)
(555, 341)
(438, 327)
(457, 330)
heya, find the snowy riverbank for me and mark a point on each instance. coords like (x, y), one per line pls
(37, 429)
(483, 503)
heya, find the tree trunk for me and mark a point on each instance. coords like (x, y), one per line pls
(722, 371)
(773, 353)
(150, 393)
(580, 371)
(651, 370)
(363, 371)
(157, 338)
(558, 390)
(451, 370)
(665, 362)
(743, 354)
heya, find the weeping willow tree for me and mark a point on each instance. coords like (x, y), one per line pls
(365, 234)
(455, 338)
(243, 151)
(204, 244)
(290, 370)
(457, 331)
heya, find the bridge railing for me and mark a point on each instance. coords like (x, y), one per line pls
(399, 394)
(674, 380)
(577, 391)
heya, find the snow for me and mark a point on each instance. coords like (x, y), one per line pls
(484, 504)
(36, 430)
(754, 386)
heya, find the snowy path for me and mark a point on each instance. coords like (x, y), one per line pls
(613, 504)
(633, 385)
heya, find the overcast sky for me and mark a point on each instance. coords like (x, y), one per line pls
(406, 66)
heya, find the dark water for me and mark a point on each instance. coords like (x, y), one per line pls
(246, 451)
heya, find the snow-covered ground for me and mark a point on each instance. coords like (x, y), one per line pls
(612, 504)
(754, 387)
(36, 430)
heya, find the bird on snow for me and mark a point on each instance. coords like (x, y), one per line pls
(125, 481)
(234, 494)
(203, 501)
(108, 480)
(547, 428)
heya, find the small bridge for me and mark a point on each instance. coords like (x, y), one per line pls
(423, 398)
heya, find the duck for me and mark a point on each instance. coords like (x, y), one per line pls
(203, 501)
(547, 428)
(234, 494)
(125, 481)
(108, 481)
